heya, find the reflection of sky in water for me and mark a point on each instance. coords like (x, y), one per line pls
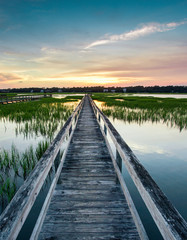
(8, 137)
(66, 95)
(153, 138)
(149, 95)
(8, 134)
(162, 95)
(99, 104)
(72, 104)
(22, 137)
(163, 152)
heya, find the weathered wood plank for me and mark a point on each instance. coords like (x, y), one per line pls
(89, 236)
(89, 228)
(87, 202)
(85, 179)
(82, 197)
(84, 186)
(92, 204)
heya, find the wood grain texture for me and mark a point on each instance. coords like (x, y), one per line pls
(87, 202)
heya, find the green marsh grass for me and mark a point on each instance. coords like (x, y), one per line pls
(170, 111)
(43, 117)
(33, 119)
(17, 165)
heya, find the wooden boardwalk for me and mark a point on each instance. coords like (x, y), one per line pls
(88, 202)
(5, 99)
(85, 200)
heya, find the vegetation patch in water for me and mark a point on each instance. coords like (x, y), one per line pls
(15, 167)
(44, 117)
(170, 111)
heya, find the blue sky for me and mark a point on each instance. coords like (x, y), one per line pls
(86, 43)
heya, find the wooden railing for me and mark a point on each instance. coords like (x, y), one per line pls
(14, 216)
(167, 218)
(5, 99)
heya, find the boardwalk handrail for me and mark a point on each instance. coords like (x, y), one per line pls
(19, 98)
(167, 218)
(14, 216)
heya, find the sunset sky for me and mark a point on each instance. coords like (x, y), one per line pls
(66, 43)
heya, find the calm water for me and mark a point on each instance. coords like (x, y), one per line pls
(66, 95)
(162, 150)
(10, 134)
(23, 135)
(161, 95)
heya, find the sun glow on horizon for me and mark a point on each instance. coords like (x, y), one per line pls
(83, 45)
(85, 80)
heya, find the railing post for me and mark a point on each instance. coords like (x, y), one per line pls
(57, 161)
(119, 160)
(70, 130)
(99, 118)
(105, 129)
(75, 118)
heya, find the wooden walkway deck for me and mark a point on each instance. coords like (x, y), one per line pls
(88, 203)
(85, 199)
(5, 99)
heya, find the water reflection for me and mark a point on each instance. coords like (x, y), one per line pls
(66, 95)
(172, 118)
(24, 138)
(161, 149)
(178, 96)
(15, 166)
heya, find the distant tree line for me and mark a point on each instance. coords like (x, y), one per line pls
(157, 89)
(134, 89)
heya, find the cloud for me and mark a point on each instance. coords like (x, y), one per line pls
(8, 77)
(137, 33)
(51, 50)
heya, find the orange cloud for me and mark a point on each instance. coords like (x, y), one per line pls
(8, 77)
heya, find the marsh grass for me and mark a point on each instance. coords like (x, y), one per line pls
(36, 118)
(43, 117)
(16, 165)
(41, 109)
(170, 111)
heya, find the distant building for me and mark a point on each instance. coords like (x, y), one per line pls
(113, 90)
(31, 91)
(42, 91)
(105, 90)
(124, 90)
(59, 90)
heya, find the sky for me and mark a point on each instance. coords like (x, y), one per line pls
(71, 43)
